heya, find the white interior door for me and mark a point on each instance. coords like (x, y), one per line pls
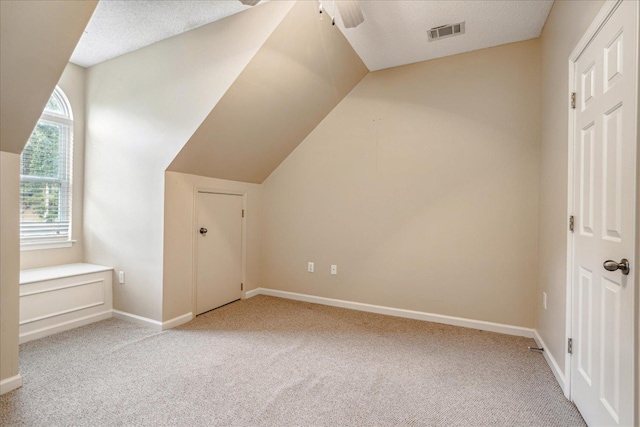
(219, 234)
(602, 371)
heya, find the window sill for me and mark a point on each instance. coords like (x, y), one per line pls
(36, 246)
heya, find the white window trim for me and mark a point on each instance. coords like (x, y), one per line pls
(40, 245)
(66, 119)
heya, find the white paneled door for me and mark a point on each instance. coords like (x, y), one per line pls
(219, 234)
(602, 362)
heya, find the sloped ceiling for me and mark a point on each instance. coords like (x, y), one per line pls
(36, 42)
(300, 74)
(119, 27)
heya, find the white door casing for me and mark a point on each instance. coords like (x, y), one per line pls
(604, 190)
(219, 250)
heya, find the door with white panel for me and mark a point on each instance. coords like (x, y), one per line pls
(605, 144)
(219, 260)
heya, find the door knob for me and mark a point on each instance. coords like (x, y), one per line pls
(203, 231)
(623, 265)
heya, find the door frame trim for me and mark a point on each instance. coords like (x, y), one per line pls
(194, 240)
(609, 7)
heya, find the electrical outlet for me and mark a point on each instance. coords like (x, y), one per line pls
(334, 269)
(310, 267)
(121, 277)
(544, 300)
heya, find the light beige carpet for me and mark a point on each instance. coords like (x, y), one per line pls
(273, 362)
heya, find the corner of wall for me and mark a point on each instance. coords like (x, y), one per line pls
(131, 140)
(9, 266)
(364, 191)
(179, 229)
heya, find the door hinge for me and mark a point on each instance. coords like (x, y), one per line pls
(242, 286)
(572, 222)
(573, 100)
(570, 346)
(242, 213)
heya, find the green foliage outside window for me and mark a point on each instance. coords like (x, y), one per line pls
(41, 158)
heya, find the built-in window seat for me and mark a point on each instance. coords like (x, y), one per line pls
(56, 299)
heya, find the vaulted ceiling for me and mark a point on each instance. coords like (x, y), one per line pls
(394, 32)
(119, 27)
(298, 76)
(34, 49)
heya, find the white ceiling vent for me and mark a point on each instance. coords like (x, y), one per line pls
(446, 31)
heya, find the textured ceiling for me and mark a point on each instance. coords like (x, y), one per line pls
(118, 27)
(394, 32)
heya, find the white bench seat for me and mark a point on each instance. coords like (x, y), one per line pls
(63, 297)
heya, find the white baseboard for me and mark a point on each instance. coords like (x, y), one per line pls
(177, 321)
(551, 361)
(65, 326)
(150, 323)
(138, 320)
(10, 384)
(398, 312)
(252, 293)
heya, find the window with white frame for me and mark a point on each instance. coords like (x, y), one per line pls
(45, 177)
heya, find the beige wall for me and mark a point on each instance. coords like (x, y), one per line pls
(637, 284)
(179, 231)
(297, 77)
(141, 109)
(33, 54)
(34, 50)
(421, 185)
(567, 22)
(9, 262)
(72, 84)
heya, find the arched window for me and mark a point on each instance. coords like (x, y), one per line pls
(45, 177)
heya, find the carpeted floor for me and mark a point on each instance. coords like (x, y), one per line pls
(273, 362)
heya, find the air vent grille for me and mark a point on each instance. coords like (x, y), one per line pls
(446, 31)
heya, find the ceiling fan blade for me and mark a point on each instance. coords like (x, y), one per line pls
(250, 2)
(350, 12)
